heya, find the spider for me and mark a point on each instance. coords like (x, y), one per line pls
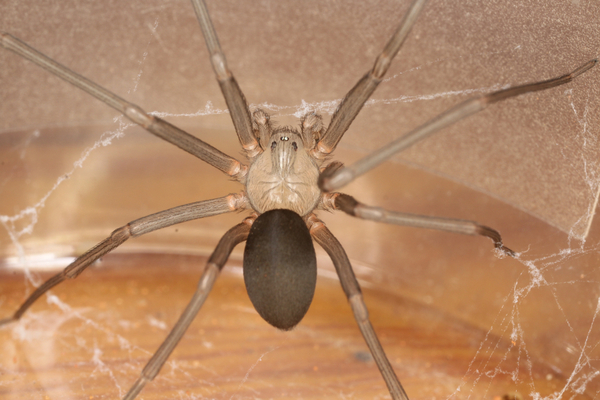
(286, 180)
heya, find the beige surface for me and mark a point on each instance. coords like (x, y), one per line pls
(441, 302)
(538, 152)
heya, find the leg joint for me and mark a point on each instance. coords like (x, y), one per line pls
(359, 308)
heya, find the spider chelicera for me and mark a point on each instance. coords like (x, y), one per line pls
(286, 180)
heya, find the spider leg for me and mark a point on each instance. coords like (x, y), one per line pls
(215, 263)
(236, 102)
(332, 180)
(332, 246)
(152, 124)
(141, 226)
(350, 206)
(364, 88)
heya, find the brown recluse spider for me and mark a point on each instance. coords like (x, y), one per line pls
(285, 182)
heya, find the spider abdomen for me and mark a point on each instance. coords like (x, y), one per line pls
(280, 268)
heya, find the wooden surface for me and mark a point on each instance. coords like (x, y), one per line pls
(456, 320)
(118, 314)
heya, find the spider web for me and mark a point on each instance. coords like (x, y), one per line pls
(539, 273)
(544, 321)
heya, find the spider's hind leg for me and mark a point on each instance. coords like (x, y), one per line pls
(349, 205)
(232, 238)
(139, 227)
(332, 246)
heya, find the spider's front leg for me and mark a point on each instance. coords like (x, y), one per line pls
(355, 99)
(334, 178)
(236, 102)
(135, 113)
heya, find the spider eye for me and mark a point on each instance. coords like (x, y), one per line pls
(273, 145)
(295, 146)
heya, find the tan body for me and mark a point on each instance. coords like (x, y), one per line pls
(284, 176)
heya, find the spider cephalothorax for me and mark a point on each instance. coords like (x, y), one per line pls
(284, 175)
